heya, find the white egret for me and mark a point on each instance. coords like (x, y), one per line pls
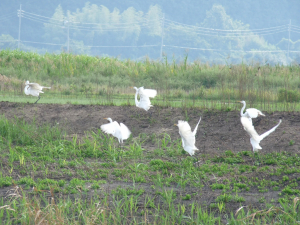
(187, 136)
(255, 138)
(145, 95)
(251, 112)
(34, 89)
(117, 130)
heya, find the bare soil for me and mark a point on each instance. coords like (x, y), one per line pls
(218, 131)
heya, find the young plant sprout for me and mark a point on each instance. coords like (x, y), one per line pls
(145, 95)
(34, 89)
(117, 130)
(187, 136)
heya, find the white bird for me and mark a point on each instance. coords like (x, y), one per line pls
(255, 138)
(251, 112)
(117, 130)
(187, 136)
(145, 95)
(34, 89)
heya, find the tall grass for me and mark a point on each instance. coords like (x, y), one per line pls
(88, 77)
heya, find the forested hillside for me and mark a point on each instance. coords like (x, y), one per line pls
(211, 31)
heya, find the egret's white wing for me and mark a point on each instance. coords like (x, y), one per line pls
(187, 137)
(253, 113)
(151, 93)
(247, 124)
(35, 86)
(124, 131)
(110, 128)
(144, 102)
(262, 136)
(195, 130)
(34, 92)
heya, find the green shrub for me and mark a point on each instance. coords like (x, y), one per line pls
(288, 95)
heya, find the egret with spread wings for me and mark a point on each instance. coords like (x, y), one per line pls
(251, 112)
(145, 95)
(34, 89)
(255, 138)
(187, 136)
(117, 130)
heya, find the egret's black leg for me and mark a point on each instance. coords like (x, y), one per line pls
(38, 99)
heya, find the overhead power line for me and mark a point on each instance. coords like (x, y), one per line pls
(49, 18)
(10, 41)
(223, 30)
(7, 16)
(82, 28)
(231, 50)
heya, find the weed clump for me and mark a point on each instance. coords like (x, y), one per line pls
(288, 95)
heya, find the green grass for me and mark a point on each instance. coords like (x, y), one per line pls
(81, 79)
(95, 181)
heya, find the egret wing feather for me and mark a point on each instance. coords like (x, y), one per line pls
(109, 128)
(151, 93)
(35, 86)
(262, 136)
(144, 102)
(188, 139)
(125, 131)
(254, 113)
(195, 130)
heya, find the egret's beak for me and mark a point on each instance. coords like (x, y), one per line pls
(175, 124)
(105, 118)
(239, 101)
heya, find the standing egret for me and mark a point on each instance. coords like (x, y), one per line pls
(117, 130)
(251, 112)
(187, 136)
(34, 89)
(255, 139)
(145, 95)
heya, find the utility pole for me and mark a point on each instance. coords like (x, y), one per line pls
(20, 16)
(288, 55)
(162, 36)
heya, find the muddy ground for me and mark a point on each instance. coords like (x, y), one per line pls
(217, 132)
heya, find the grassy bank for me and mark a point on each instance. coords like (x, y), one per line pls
(110, 78)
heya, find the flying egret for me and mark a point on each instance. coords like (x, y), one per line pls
(255, 138)
(34, 89)
(251, 112)
(187, 136)
(117, 130)
(145, 95)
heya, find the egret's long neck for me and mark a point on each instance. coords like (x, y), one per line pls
(242, 110)
(136, 100)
